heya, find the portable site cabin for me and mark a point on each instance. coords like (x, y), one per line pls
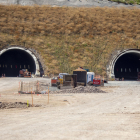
(90, 76)
(81, 75)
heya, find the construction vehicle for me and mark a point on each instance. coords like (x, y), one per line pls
(24, 73)
(59, 80)
(68, 80)
(78, 78)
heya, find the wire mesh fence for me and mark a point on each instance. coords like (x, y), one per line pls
(36, 87)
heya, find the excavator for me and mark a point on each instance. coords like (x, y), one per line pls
(24, 73)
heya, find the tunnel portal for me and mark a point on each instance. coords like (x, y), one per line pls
(13, 60)
(127, 66)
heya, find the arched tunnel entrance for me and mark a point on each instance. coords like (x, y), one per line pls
(127, 66)
(15, 59)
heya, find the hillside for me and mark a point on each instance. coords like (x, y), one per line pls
(71, 37)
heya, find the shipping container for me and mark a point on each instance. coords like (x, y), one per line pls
(81, 76)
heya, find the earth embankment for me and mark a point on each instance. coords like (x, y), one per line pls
(71, 37)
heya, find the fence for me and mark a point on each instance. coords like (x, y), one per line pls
(32, 87)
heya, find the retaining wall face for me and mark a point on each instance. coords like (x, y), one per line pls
(21, 2)
(42, 65)
(77, 3)
(39, 2)
(110, 73)
(110, 65)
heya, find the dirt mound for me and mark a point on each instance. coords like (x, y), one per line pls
(81, 89)
(4, 105)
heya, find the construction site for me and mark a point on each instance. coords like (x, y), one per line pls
(69, 70)
(36, 108)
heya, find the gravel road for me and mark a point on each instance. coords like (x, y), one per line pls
(75, 3)
(102, 116)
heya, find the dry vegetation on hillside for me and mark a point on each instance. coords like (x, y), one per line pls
(71, 37)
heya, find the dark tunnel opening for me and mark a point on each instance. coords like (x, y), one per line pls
(14, 60)
(127, 66)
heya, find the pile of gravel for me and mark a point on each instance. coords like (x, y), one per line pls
(4, 105)
(80, 89)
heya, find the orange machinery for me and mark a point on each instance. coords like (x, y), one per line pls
(24, 73)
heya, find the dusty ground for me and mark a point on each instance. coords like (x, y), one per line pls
(98, 116)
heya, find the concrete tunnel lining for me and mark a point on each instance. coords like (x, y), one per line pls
(27, 52)
(111, 67)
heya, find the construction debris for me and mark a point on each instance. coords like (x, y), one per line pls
(80, 89)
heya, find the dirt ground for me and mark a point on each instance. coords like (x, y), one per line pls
(95, 116)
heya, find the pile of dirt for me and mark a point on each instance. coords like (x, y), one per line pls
(81, 89)
(4, 105)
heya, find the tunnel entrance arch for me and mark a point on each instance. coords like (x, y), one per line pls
(125, 64)
(14, 58)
